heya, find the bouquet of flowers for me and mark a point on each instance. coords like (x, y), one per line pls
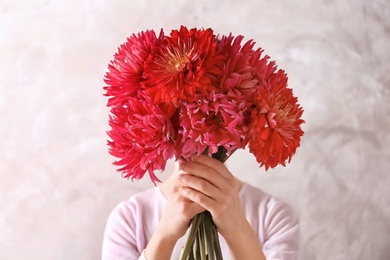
(193, 92)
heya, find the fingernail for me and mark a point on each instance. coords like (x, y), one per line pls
(182, 165)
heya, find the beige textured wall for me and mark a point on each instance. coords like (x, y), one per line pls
(57, 185)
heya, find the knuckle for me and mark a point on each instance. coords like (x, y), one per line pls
(203, 184)
(200, 198)
(209, 171)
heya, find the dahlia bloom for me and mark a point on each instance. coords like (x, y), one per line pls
(213, 121)
(243, 68)
(184, 65)
(143, 138)
(275, 130)
(125, 71)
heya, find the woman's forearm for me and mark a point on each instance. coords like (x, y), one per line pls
(243, 244)
(159, 247)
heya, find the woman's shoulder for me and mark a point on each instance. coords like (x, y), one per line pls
(249, 193)
(272, 218)
(262, 201)
(143, 201)
(146, 196)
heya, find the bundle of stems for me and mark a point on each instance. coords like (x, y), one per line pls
(203, 242)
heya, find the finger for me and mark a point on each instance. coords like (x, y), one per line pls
(214, 164)
(184, 206)
(203, 172)
(197, 197)
(200, 184)
(192, 208)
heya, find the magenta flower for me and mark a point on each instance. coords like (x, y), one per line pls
(142, 138)
(125, 71)
(213, 121)
(243, 67)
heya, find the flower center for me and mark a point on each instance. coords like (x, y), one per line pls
(214, 119)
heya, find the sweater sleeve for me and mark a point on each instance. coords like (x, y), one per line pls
(120, 238)
(282, 229)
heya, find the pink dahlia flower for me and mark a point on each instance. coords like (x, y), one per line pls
(142, 138)
(213, 121)
(125, 71)
(243, 68)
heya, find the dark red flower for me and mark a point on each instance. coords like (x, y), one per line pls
(184, 65)
(276, 127)
(142, 138)
(125, 71)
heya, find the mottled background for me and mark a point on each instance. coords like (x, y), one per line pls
(57, 184)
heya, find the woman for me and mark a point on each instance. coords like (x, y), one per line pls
(152, 224)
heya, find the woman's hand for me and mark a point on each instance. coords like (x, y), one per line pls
(204, 184)
(207, 182)
(178, 212)
(174, 222)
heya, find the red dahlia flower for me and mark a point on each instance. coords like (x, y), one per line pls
(184, 65)
(275, 129)
(142, 138)
(126, 69)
